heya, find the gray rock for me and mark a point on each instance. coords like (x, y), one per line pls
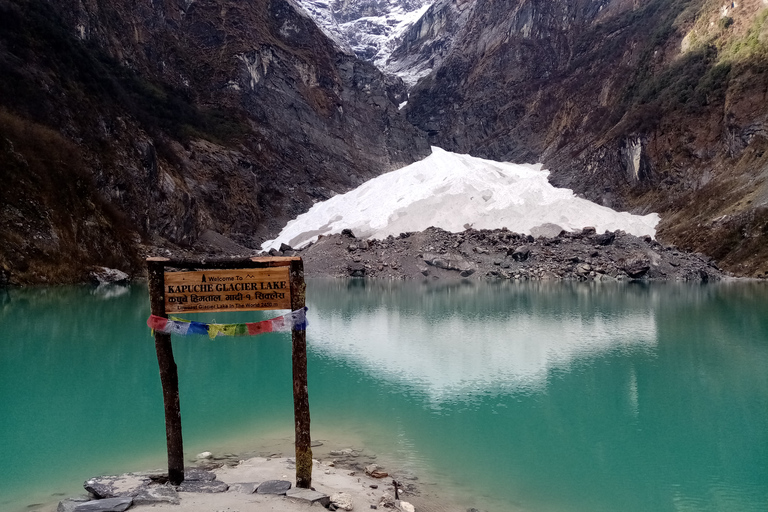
(244, 487)
(113, 486)
(198, 475)
(156, 494)
(69, 504)
(202, 486)
(285, 248)
(104, 275)
(342, 500)
(274, 487)
(636, 268)
(447, 261)
(356, 269)
(106, 505)
(309, 496)
(466, 273)
(522, 253)
(606, 238)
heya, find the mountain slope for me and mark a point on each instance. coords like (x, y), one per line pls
(175, 123)
(647, 106)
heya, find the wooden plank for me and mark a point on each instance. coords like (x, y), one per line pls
(228, 290)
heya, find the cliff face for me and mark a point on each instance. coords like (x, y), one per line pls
(646, 106)
(130, 127)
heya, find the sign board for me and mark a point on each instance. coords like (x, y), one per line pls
(252, 284)
(251, 289)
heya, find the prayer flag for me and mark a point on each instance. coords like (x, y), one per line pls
(294, 320)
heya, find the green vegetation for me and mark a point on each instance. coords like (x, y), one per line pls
(696, 80)
(753, 45)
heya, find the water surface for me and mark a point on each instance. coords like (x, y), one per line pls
(535, 397)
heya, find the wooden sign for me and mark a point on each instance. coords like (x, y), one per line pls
(252, 289)
(229, 285)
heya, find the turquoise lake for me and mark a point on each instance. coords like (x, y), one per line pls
(539, 397)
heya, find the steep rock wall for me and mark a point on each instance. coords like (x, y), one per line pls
(186, 117)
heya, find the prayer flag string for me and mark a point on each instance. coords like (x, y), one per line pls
(294, 320)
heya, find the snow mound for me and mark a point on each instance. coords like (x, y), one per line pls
(455, 192)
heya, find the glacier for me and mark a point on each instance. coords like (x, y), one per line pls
(455, 192)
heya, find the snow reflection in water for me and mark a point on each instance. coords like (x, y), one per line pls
(487, 341)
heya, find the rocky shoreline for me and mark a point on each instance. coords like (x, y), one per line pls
(554, 254)
(344, 479)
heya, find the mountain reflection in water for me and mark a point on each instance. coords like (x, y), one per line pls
(458, 340)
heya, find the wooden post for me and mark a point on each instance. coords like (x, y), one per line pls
(300, 391)
(169, 377)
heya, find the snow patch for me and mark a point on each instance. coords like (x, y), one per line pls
(449, 191)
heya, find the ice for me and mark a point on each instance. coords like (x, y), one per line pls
(453, 192)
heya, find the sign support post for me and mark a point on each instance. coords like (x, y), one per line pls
(231, 285)
(300, 391)
(169, 377)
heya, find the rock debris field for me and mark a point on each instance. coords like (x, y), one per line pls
(434, 253)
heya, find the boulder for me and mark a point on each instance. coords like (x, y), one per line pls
(447, 261)
(104, 275)
(636, 267)
(606, 238)
(521, 253)
(356, 269)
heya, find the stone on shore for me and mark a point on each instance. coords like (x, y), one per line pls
(156, 494)
(274, 487)
(69, 504)
(104, 275)
(103, 487)
(202, 486)
(244, 487)
(342, 500)
(198, 475)
(106, 505)
(309, 496)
